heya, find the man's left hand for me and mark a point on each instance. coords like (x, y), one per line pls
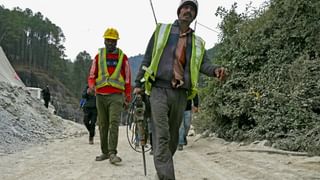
(220, 73)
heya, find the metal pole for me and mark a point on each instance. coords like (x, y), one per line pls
(154, 14)
(144, 161)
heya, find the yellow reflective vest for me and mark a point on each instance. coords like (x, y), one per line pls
(104, 78)
(161, 37)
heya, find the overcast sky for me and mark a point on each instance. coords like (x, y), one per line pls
(83, 22)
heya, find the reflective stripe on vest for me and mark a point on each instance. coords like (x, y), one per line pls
(104, 79)
(161, 37)
(160, 40)
(198, 48)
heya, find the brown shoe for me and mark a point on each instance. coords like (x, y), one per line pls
(90, 140)
(102, 157)
(114, 159)
(180, 147)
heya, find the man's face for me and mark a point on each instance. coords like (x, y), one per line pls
(111, 44)
(187, 13)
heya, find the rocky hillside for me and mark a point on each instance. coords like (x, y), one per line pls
(25, 121)
(64, 101)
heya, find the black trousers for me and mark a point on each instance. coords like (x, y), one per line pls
(46, 103)
(90, 119)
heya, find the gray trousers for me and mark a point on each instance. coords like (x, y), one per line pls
(167, 107)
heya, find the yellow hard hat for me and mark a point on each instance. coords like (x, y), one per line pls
(111, 33)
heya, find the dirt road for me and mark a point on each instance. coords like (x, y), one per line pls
(202, 159)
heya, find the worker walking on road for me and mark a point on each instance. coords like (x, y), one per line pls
(192, 107)
(169, 73)
(90, 113)
(110, 79)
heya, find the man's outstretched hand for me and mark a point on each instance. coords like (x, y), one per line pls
(220, 73)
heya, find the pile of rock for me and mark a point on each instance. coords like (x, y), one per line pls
(25, 121)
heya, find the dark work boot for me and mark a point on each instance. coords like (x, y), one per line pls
(114, 159)
(102, 157)
(185, 141)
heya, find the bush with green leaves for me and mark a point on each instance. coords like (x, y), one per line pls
(273, 89)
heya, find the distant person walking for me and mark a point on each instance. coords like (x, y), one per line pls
(90, 113)
(111, 80)
(192, 107)
(169, 72)
(46, 96)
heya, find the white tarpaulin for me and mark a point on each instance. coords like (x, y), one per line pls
(7, 73)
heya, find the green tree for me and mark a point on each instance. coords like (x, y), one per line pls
(273, 90)
(81, 71)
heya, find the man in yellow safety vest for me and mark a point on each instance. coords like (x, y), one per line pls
(111, 81)
(169, 74)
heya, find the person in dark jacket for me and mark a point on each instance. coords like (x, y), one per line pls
(90, 113)
(46, 96)
(192, 107)
(169, 73)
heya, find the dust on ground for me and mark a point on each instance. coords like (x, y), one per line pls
(203, 159)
